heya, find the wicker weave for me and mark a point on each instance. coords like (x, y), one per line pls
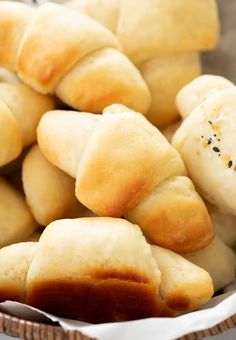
(35, 331)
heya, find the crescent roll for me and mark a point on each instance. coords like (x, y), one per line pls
(125, 167)
(58, 50)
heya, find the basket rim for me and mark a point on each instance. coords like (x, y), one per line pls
(25, 329)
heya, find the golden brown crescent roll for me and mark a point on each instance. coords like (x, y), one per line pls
(183, 285)
(50, 193)
(166, 49)
(65, 52)
(16, 221)
(205, 141)
(194, 93)
(14, 265)
(218, 259)
(87, 267)
(93, 274)
(124, 166)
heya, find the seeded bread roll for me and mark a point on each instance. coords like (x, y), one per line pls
(194, 93)
(64, 52)
(184, 286)
(50, 193)
(100, 279)
(14, 265)
(204, 141)
(16, 221)
(145, 187)
(218, 260)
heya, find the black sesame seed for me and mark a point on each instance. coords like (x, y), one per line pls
(230, 163)
(216, 149)
(209, 121)
(218, 140)
(201, 136)
(214, 135)
(219, 154)
(209, 141)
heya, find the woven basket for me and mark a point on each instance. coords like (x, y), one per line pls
(36, 331)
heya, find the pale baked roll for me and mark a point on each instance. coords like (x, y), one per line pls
(94, 273)
(166, 26)
(14, 264)
(50, 193)
(11, 142)
(120, 162)
(184, 286)
(224, 225)
(27, 107)
(205, 142)
(194, 93)
(165, 76)
(218, 260)
(174, 216)
(14, 18)
(16, 221)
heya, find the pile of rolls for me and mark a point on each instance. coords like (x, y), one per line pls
(102, 219)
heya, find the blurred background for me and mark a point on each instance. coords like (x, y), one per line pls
(223, 60)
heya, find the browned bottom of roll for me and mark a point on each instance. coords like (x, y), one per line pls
(96, 301)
